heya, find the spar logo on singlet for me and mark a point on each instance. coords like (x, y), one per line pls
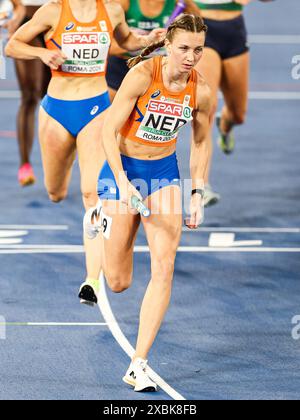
(164, 119)
(86, 51)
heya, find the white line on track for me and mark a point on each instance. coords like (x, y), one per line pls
(15, 249)
(268, 95)
(10, 241)
(274, 39)
(272, 95)
(242, 230)
(117, 333)
(35, 227)
(12, 233)
(53, 324)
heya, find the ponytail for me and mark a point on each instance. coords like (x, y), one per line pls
(145, 52)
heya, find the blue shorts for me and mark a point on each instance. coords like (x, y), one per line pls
(75, 115)
(148, 176)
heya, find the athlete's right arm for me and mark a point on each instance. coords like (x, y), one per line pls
(134, 85)
(44, 20)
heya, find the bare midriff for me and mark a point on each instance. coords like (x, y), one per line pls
(140, 151)
(220, 14)
(77, 88)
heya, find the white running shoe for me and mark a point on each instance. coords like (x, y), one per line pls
(137, 377)
(210, 197)
(92, 224)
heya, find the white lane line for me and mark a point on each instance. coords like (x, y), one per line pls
(35, 227)
(12, 233)
(227, 240)
(145, 249)
(272, 95)
(10, 241)
(268, 95)
(274, 39)
(242, 230)
(117, 333)
(275, 96)
(53, 324)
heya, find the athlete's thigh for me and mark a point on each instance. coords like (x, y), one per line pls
(119, 242)
(163, 228)
(235, 82)
(58, 150)
(91, 155)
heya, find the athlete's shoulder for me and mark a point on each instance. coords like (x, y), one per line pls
(139, 78)
(47, 16)
(52, 6)
(50, 10)
(144, 68)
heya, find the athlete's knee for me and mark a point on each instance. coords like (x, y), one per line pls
(89, 199)
(119, 282)
(162, 268)
(57, 196)
(30, 98)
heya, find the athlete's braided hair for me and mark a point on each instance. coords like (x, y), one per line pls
(187, 22)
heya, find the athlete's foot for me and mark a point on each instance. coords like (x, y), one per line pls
(210, 197)
(88, 292)
(225, 141)
(26, 175)
(137, 377)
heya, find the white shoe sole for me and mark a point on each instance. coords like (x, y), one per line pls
(131, 382)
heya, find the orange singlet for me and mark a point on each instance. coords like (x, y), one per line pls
(85, 44)
(159, 114)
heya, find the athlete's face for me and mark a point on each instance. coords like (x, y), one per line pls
(186, 49)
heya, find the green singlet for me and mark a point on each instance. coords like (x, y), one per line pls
(218, 5)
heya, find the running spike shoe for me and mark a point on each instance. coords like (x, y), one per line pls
(137, 377)
(88, 292)
(225, 141)
(26, 175)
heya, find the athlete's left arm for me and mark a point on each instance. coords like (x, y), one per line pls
(127, 39)
(199, 148)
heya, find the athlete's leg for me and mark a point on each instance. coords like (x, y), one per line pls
(118, 248)
(163, 230)
(235, 86)
(91, 158)
(33, 77)
(210, 67)
(58, 149)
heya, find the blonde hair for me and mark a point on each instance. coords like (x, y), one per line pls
(186, 22)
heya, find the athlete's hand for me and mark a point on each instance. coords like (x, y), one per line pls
(196, 212)
(157, 35)
(127, 191)
(53, 59)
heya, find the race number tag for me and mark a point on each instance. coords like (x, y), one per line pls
(86, 51)
(164, 119)
(106, 224)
